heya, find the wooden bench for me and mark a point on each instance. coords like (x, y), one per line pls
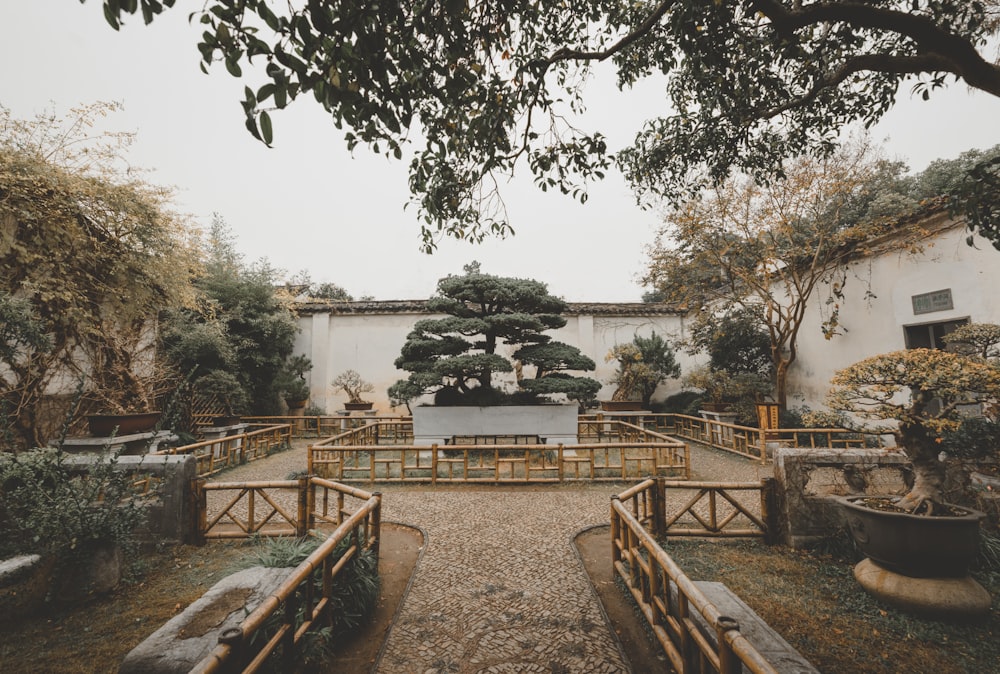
(782, 656)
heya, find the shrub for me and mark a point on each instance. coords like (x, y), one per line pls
(353, 597)
(53, 507)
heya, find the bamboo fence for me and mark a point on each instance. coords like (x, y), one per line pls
(215, 455)
(382, 451)
(303, 601)
(667, 598)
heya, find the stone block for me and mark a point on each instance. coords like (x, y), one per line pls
(809, 479)
(187, 638)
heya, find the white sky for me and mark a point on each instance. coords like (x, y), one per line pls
(309, 204)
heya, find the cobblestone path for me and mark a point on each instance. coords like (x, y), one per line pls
(500, 587)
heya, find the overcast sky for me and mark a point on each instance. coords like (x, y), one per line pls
(308, 204)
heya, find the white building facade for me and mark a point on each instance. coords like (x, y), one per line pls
(890, 300)
(898, 299)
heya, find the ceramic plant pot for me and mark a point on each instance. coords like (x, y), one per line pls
(914, 545)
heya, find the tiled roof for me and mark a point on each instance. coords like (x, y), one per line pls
(420, 307)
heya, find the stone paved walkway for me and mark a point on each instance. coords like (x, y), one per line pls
(500, 587)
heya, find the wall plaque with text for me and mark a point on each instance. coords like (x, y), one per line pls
(939, 300)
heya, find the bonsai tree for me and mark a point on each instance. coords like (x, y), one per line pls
(292, 381)
(226, 389)
(457, 357)
(736, 392)
(976, 339)
(924, 392)
(642, 365)
(351, 383)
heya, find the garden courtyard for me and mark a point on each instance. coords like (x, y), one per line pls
(488, 579)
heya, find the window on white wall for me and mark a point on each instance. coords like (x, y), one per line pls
(930, 335)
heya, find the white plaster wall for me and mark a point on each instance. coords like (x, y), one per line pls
(875, 325)
(370, 342)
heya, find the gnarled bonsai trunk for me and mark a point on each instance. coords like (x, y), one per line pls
(928, 470)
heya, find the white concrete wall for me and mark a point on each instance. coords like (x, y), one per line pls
(874, 325)
(370, 342)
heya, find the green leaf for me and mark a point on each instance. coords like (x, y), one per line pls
(265, 128)
(233, 66)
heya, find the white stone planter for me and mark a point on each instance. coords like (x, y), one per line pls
(551, 423)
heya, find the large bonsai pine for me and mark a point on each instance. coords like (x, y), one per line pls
(458, 355)
(940, 386)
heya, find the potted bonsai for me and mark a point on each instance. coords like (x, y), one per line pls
(292, 382)
(226, 390)
(926, 393)
(351, 383)
(643, 364)
(126, 411)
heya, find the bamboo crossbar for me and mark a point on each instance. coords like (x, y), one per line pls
(648, 570)
(363, 526)
(309, 510)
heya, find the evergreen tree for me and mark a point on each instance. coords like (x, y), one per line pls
(458, 356)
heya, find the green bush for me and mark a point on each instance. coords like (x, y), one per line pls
(976, 439)
(50, 507)
(684, 402)
(353, 597)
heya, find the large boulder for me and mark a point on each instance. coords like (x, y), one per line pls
(187, 638)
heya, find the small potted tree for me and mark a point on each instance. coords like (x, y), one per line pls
(643, 364)
(292, 382)
(351, 383)
(925, 393)
(225, 389)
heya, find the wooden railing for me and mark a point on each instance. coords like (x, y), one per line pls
(373, 453)
(234, 450)
(757, 444)
(677, 611)
(707, 509)
(326, 425)
(303, 600)
(270, 508)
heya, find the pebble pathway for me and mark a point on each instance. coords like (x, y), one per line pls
(500, 587)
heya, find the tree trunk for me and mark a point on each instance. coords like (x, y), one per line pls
(928, 470)
(780, 379)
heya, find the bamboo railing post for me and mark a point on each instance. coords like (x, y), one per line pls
(310, 504)
(728, 662)
(660, 507)
(250, 510)
(375, 533)
(302, 519)
(288, 640)
(434, 463)
(199, 511)
(616, 555)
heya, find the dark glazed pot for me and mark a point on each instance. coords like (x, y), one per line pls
(358, 406)
(103, 425)
(915, 545)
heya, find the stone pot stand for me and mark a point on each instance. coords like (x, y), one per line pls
(917, 563)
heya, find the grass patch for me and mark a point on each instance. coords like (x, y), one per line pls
(813, 601)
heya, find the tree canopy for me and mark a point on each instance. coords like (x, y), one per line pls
(457, 356)
(469, 90)
(237, 343)
(768, 249)
(91, 253)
